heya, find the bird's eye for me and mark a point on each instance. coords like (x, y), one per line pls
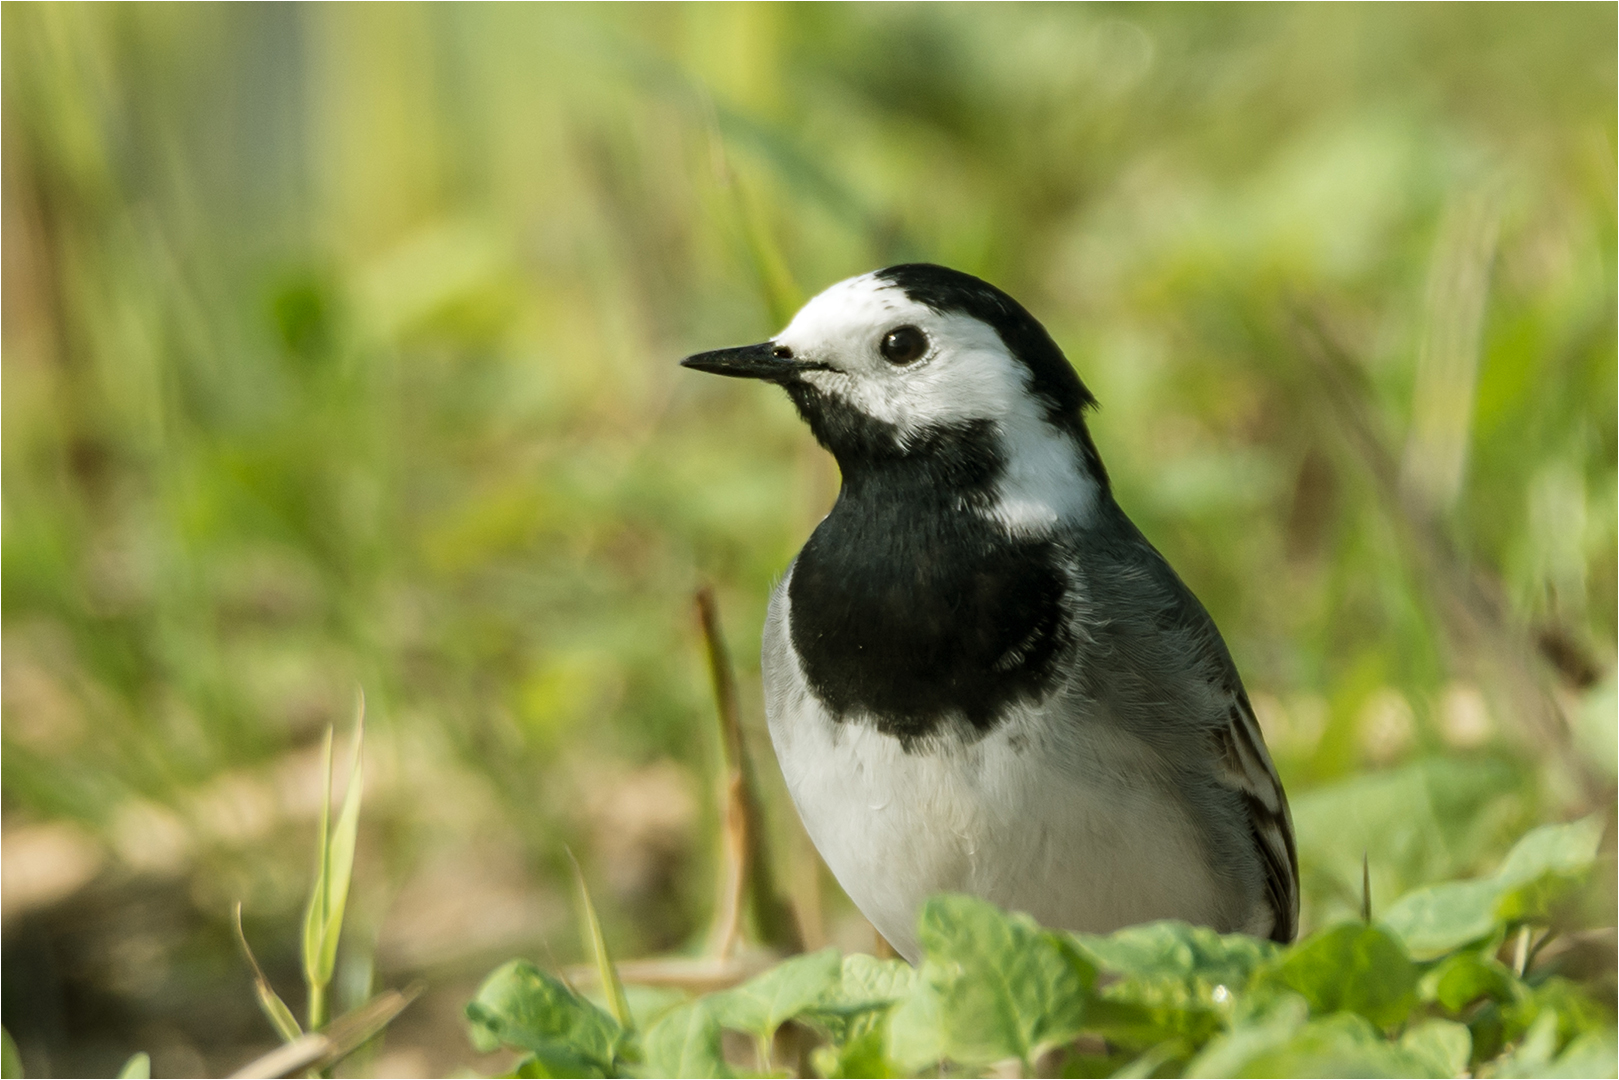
(782, 352)
(903, 345)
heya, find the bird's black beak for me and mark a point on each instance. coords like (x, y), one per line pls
(766, 360)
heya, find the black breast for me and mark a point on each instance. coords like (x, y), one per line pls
(910, 608)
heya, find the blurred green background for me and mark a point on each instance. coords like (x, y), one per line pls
(339, 350)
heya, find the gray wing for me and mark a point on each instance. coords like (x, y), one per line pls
(1244, 765)
(1171, 680)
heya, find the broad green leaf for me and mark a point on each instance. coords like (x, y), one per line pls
(521, 1006)
(1177, 950)
(646, 1003)
(864, 1054)
(1420, 823)
(868, 983)
(763, 1003)
(1258, 1033)
(993, 986)
(1543, 864)
(555, 1062)
(1341, 1045)
(1444, 1046)
(1151, 1062)
(1462, 978)
(138, 1067)
(1552, 849)
(686, 1042)
(1592, 1054)
(867, 987)
(1351, 967)
(1176, 981)
(1557, 997)
(1439, 918)
(1533, 1056)
(1434, 920)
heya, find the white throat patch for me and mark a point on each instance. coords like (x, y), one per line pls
(966, 375)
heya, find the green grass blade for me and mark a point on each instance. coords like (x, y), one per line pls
(138, 1067)
(315, 914)
(340, 853)
(275, 1010)
(591, 931)
(781, 293)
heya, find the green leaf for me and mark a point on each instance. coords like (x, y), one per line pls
(340, 856)
(1462, 978)
(138, 1067)
(1340, 1045)
(1150, 1063)
(1573, 1009)
(763, 1003)
(596, 942)
(1439, 918)
(864, 1054)
(1592, 1054)
(275, 1010)
(10, 1061)
(1420, 823)
(315, 911)
(1443, 1046)
(993, 986)
(1543, 864)
(555, 1062)
(853, 1010)
(866, 982)
(1177, 950)
(1351, 967)
(1175, 981)
(521, 1006)
(686, 1042)
(1262, 1031)
(1532, 1056)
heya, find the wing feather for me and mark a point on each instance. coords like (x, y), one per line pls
(1244, 765)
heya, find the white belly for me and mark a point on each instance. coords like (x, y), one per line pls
(1035, 816)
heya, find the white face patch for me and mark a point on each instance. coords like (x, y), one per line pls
(966, 375)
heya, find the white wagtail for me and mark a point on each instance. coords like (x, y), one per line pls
(979, 676)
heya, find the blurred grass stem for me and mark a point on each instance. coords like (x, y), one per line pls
(745, 885)
(323, 919)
